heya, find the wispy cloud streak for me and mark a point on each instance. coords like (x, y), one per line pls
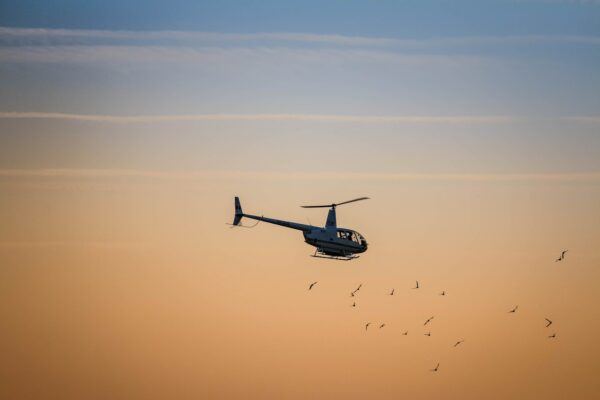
(99, 245)
(368, 119)
(362, 119)
(269, 175)
(33, 36)
(150, 48)
(219, 56)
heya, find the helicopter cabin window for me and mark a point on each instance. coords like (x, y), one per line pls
(347, 235)
(343, 234)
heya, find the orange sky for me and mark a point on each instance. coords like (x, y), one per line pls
(134, 287)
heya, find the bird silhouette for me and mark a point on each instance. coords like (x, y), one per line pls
(392, 292)
(367, 325)
(562, 255)
(427, 334)
(311, 285)
(443, 293)
(426, 322)
(549, 322)
(381, 326)
(457, 343)
(351, 294)
(552, 336)
(436, 368)
(416, 287)
(354, 304)
(514, 309)
(405, 333)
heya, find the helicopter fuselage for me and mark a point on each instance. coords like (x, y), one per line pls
(330, 241)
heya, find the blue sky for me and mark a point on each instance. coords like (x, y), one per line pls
(409, 18)
(501, 85)
(491, 56)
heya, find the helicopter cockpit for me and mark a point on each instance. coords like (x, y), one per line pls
(353, 236)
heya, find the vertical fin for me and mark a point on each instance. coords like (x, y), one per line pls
(238, 212)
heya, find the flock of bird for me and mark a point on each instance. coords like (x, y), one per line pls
(443, 293)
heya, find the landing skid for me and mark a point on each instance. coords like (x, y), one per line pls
(339, 258)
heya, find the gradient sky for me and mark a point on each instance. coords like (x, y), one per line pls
(126, 129)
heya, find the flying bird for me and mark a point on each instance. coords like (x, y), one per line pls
(392, 292)
(311, 285)
(549, 322)
(552, 336)
(351, 294)
(426, 322)
(367, 325)
(416, 287)
(405, 333)
(436, 368)
(427, 334)
(562, 256)
(381, 326)
(443, 293)
(354, 304)
(457, 343)
(514, 309)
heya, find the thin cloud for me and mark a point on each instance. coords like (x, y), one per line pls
(65, 243)
(32, 36)
(269, 117)
(148, 56)
(179, 48)
(367, 119)
(268, 175)
(69, 36)
(363, 119)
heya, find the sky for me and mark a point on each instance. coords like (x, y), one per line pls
(127, 128)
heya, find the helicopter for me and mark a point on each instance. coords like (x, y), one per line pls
(330, 241)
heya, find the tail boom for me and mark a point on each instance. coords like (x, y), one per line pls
(288, 224)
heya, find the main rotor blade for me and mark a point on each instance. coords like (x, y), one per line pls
(337, 204)
(350, 201)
